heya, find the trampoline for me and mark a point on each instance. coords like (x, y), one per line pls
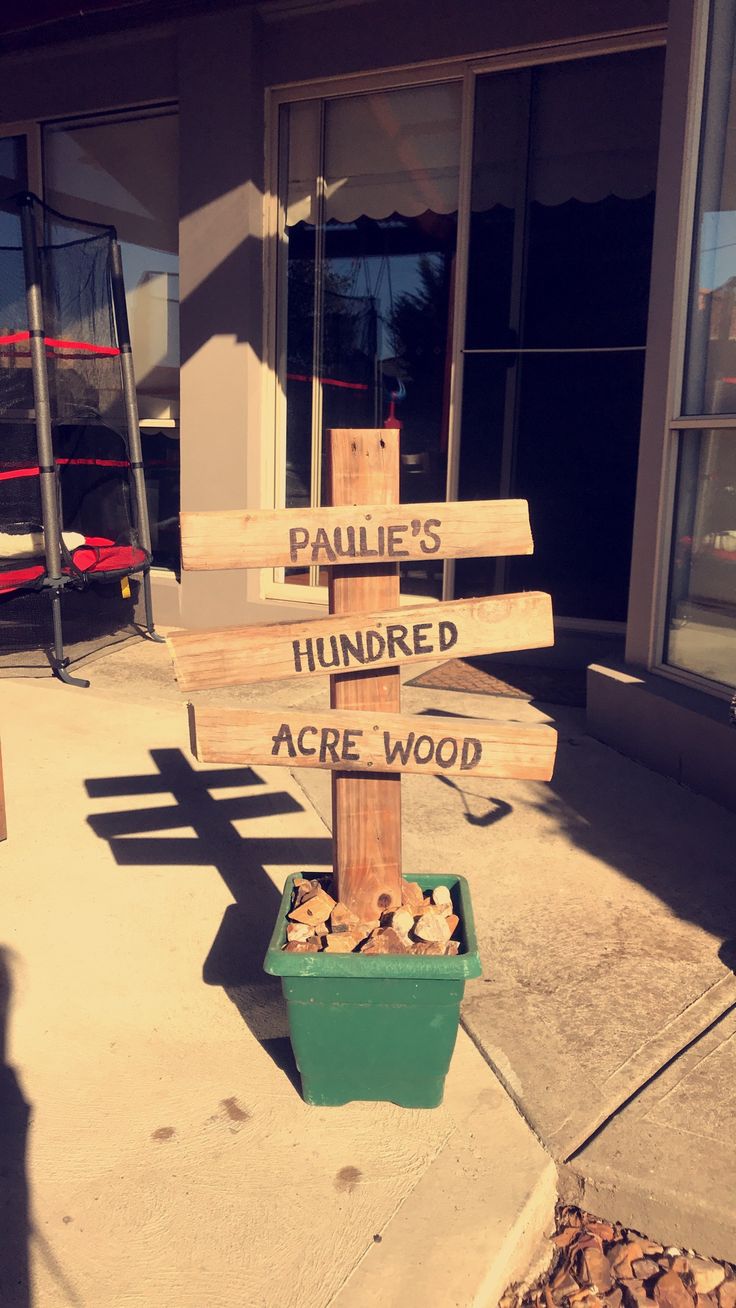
(73, 511)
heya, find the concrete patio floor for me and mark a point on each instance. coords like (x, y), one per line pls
(605, 904)
(154, 1150)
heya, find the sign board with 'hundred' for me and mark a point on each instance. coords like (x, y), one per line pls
(234, 656)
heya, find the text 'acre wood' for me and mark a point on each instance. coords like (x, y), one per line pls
(231, 656)
(374, 533)
(363, 741)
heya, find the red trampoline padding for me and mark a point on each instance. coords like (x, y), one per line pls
(100, 554)
(20, 577)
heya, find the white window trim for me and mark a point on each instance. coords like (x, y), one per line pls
(677, 422)
(465, 69)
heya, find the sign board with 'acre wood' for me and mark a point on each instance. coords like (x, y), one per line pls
(363, 741)
(231, 656)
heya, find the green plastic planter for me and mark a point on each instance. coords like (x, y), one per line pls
(377, 1027)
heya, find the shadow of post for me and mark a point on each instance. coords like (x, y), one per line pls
(235, 960)
(15, 1115)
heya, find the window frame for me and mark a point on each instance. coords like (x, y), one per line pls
(676, 422)
(273, 585)
(32, 133)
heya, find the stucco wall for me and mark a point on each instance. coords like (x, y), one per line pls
(671, 728)
(86, 77)
(217, 65)
(389, 33)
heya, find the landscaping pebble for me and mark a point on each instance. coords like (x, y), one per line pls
(706, 1276)
(602, 1265)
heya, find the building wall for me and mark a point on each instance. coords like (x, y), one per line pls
(218, 65)
(395, 33)
(86, 77)
(675, 728)
(221, 260)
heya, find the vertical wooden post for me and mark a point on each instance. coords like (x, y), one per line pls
(366, 808)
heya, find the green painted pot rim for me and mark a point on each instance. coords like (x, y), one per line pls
(410, 966)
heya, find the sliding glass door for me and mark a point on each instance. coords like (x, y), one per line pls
(370, 187)
(548, 248)
(560, 235)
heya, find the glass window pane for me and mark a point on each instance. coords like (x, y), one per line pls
(498, 198)
(13, 178)
(123, 170)
(299, 155)
(710, 372)
(575, 444)
(701, 619)
(371, 197)
(13, 174)
(13, 313)
(564, 174)
(563, 182)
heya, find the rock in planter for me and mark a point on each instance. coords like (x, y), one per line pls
(432, 926)
(375, 1027)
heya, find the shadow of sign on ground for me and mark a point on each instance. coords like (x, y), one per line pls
(606, 909)
(235, 960)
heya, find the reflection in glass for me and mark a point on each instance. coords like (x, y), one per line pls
(13, 178)
(578, 437)
(370, 196)
(710, 373)
(701, 626)
(564, 168)
(123, 170)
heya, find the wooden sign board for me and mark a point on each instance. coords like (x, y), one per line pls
(363, 741)
(232, 656)
(375, 533)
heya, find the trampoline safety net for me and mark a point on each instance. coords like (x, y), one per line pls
(73, 516)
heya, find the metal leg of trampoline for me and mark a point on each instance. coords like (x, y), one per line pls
(150, 629)
(44, 438)
(58, 660)
(132, 423)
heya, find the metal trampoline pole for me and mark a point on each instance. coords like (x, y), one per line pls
(132, 422)
(44, 437)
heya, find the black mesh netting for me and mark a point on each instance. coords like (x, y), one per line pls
(100, 540)
(94, 619)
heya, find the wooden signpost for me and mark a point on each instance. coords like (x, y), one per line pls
(377, 532)
(353, 640)
(366, 810)
(363, 738)
(380, 742)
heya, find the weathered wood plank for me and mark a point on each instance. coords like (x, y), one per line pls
(233, 538)
(366, 810)
(231, 656)
(364, 741)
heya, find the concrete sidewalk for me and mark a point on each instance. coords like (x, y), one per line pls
(154, 1151)
(606, 911)
(605, 904)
